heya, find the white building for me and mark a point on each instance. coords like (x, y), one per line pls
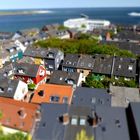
(86, 24)
(15, 89)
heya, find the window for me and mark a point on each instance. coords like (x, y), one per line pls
(74, 120)
(10, 89)
(82, 121)
(130, 67)
(51, 55)
(70, 81)
(42, 73)
(93, 100)
(51, 66)
(120, 66)
(11, 50)
(20, 70)
(1, 89)
(61, 78)
(54, 99)
(65, 100)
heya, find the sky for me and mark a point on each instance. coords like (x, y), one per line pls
(22, 4)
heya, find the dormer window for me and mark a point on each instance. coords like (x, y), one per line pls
(70, 81)
(10, 89)
(130, 67)
(42, 73)
(1, 90)
(90, 65)
(22, 114)
(20, 71)
(120, 66)
(61, 78)
(11, 50)
(54, 99)
(17, 48)
(51, 55)
(93, 100)
(74, 120)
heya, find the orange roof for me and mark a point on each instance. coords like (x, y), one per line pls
(18, 115)
(50, 93)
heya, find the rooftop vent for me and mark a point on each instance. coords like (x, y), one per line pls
(117, 122)
(41, 93)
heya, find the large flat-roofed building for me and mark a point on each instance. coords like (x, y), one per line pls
(87, 24)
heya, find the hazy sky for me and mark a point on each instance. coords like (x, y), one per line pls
(18, 4)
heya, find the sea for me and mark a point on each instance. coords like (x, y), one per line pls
(13, 23)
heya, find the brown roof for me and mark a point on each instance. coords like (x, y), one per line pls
(18, 115)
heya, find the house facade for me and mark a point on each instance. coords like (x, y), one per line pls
(50, 58)
(30, 73)
(14, 89)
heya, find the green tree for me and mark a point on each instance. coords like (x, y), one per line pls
(83, 26)
(15, 136)
(83, 136)
(31, 86)
(84, 46)
(1, 115)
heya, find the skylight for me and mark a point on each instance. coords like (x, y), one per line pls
(82, 121)
(74, 120)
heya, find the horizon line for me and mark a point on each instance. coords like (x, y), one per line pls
(68, 7)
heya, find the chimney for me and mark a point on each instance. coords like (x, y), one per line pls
(95, 120)
(64, 119)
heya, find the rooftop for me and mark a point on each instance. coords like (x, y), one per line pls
(125, 67)
(39, 52)
(8, 88)
(103, 64)
(122, 96)
(64, 78)
(26, 69)
(49, 93)
(18, 115)
(50, 127)
(91, 97)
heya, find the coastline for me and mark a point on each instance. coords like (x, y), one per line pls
(25, 12)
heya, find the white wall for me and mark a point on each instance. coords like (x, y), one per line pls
(22, 47)
(21, 91)
(80, 79)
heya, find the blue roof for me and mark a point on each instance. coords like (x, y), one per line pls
(50, 128)
(91, 97)
(113, 125)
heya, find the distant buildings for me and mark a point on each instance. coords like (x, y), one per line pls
(86, 24)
